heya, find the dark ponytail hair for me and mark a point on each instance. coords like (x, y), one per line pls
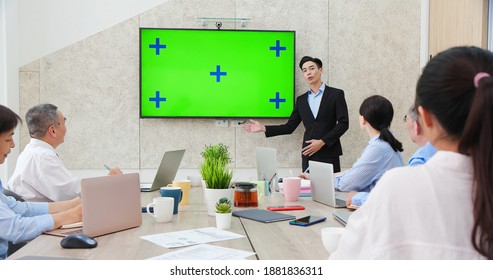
(378, 112)
(447, 89)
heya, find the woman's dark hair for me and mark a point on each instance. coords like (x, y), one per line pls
(447, 89)
(378, 112)
(8, 119)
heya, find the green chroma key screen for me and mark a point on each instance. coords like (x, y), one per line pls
(216, 73)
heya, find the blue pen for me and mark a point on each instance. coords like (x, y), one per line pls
(144, 209)
(107, 167)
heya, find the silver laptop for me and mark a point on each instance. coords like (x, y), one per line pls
(166, 172)
(110, 204)
(342, 216)
(322, 184)
(266, 164)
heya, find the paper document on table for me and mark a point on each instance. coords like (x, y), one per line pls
(191, 237)
(205, 252)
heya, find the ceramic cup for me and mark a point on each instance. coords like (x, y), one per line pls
(163, 209)
(330, 238)
(184, 185)
(291, 187)
(175, 193)
(195, 180)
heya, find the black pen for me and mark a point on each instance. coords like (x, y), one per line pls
(270, 189)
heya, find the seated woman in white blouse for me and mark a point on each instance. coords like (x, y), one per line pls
(441, 209)
(382, 152)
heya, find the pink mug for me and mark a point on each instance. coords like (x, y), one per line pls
(291, 187)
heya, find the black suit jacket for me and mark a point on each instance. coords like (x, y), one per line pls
(330, 124)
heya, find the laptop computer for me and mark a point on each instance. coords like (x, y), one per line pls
(342, 216)
(110, 204)
(166, 172)
(322, 184)
(266, 164)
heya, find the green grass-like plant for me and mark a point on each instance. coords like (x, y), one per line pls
(218, 152)
(223, 206)
(214, 169)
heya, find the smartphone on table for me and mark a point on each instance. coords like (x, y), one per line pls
(285, 207)
(307, 221)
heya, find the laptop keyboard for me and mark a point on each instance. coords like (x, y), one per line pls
(340, 202)
(75, 231)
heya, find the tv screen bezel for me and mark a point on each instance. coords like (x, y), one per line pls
(215, 116)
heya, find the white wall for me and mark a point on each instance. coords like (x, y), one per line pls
(9, 71)
(49, 25)
(31, 29)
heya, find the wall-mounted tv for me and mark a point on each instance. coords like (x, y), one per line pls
(216, 73)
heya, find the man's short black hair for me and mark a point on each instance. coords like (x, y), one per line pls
(313, 59)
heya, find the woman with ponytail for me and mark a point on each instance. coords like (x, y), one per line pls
(382, 152)
(442, 209)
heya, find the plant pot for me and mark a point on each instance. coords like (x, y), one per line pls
(223, 220)
(211, 196)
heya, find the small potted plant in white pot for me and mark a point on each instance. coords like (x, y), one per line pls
(223, 213)
(216, 174)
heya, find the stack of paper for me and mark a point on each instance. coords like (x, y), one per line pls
(306, 190)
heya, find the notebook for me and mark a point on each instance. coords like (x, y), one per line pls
(342, 216)
(322, 184)
(110, 204)
(166, 172)
(263, 216)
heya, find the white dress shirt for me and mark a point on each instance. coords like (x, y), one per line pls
(41, 176)
(421, 212)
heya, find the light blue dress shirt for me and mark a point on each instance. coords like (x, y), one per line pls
(422, 155)
(376, 158)
(21, 221)
(314, 100)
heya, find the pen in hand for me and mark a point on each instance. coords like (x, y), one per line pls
(107, 167)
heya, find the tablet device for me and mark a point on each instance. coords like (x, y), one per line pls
(263, 216)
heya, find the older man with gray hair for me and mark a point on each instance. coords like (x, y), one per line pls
(40, 174)
(426, 150)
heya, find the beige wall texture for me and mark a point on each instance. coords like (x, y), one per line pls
(368, 47)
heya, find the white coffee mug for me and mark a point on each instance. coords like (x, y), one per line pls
(331, 237)
(195, 180)
(163, 209)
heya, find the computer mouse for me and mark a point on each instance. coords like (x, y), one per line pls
(78, 241)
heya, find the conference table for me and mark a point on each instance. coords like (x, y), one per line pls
(270, 241)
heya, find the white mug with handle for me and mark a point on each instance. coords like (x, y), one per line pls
(163, 209)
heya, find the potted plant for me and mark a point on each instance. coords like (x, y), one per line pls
(216, 175)
(223, 213)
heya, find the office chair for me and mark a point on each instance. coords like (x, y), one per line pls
(13, 194)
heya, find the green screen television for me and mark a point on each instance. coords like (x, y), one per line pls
(192, 73)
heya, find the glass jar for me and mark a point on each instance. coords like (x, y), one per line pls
(245, 194)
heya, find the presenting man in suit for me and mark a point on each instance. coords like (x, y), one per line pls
(324, 113)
